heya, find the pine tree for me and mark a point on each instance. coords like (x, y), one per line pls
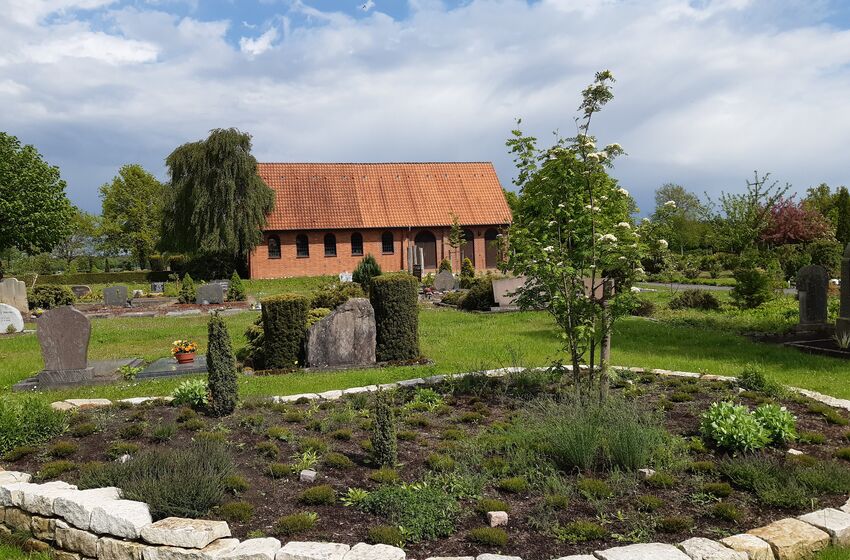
(187, 290)
(842, 230)
(222, 376)
(365, 270)
(236, 289)
(384, 443)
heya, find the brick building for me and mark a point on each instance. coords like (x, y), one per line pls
(328, 216)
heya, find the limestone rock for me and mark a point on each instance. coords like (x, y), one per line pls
(496, 557)
(752, 546)
(64, 555)
(185, 533)
(12, 494)
(254, 549)
(459, 558)
(213, 551)
(331, 395)
(76, 508)
(707, 549)
(18, 520)
(43, 528)
(296, 550)
(307, 475)
(649, 551)
(13, 477)
(578, 557)
(87, 404)
(76, 540)
(112, 549)
(411, 382)
(345, 337)
(39, 498)
(497, 518)
(363, 551)
(792, 539)
(833, 521)
(846, 507)
(120, 518)
(646, 473)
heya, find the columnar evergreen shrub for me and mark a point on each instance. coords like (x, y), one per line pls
(48, 297)
(396, 303)
(366, 270)
(384, 442)
(187, 290)
(467, 273)
(285, 328)
(445, 264)
(236, 289)
(222, 377)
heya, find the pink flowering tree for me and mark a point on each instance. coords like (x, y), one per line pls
(573, 238)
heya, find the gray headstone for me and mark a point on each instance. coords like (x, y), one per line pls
(14, 292)
(812, 289)
(444, 281)
(346, 277)
(80, 290)
(504, 288)
(225, 284)
(10, 317)
(64, 334)
(210, 294)
(842, 325)
(157, 287)
(345, 337)
(115, 296)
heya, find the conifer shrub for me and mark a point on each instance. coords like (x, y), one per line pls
(384, 439)
(467, 273)
(236, 289)
(480, 295)
(285, 330)
(222, 377)
(396, 302)
(445, 265)
(365, 271)
(188, 291)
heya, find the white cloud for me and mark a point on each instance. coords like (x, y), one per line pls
(259, 45)
(96, 46)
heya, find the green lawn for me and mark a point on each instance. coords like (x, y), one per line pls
(455, 341)
(9, 552)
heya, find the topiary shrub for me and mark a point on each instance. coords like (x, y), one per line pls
(467, 273)
(695, 299)
(384, 441)
(330, 296)
(395, 300)
(187, 290)
(236, 289)
(367, 269)
(222, 377)
(285, 328)
(48, 297)
(480, 296)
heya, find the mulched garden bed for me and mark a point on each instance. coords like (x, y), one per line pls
(457, 432)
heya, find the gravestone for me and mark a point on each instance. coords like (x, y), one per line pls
(346, 277)
(842, 325)
(812, 290)
(10, 317)
(346, 337)
(445, 281)
(504, 288)
(115, 296)
(157, 287)
(210, 294)
(14, 292)
(64, 334)
(81, 291)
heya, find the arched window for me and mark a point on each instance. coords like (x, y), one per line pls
(302, 245)
(356, 245)
(387, 243)
(491, 248)
(468, 250)
(426, 241)
(274, 247)
(330, 245)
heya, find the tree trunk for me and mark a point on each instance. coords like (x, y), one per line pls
(605, 346)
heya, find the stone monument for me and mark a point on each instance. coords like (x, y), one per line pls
(812, 292)
(115, 296)
(14, 292)
(11, 320)
(210, 294)
(64, 334)
(346, 337)
(445, 281)
(80, 290)
(842, 325)
(157, 287)
(504, 289)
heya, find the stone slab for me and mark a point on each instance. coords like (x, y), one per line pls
(115, 296)
(102, 372)
(76, 540)
(210, 294)
(293, 398)
(752, 546)
(13, 477)
(39, 498)
(13, 494)
(792, 539)
(113, 549)
(699, 548)
(833, 521)
(183, 313)
(578, 557)
(168, 367)
(43, 528)
(18, 520)
(296, 550)
(185, 533)
(445, 281)
(212, 552)
(14, 292)
(85, 404)
(644, 551)
(846, 507)
(411, 382)
(462, 558)
(64, 333)
(504, 288)
(120, 518)
(331, 395)
(76, 508)
(11, 320)
(254, 549)
(363, 551)
(346, 337)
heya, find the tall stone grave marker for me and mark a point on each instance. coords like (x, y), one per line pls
(115, 296)
(64, 334)
(210, 294)
(842, 325)
(346, 337)
(11, 320)
(812, 291)
(445, 281)
(14, 292)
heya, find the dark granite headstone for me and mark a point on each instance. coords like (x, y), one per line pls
(210, 294)
(445, 281)
(115, 296)
(64, 334)
(812, 288)
(842, 325)
(157, 287)
(80, 290)
(346, 337)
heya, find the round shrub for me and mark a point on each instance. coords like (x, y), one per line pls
(675, 523)
(48, 297)
(593, 488)
(513, 485)
(323, 494)
(726, 512)
(717, 489)
(643, 308)
(489, 536)
(661, 480)
(384, 475)
(396, 302)
(732, 427)
(295, 523)
(753, 287)
(386, 534)
(337, 461)
(489, 504)
(695, 299)
(285, 330)
(240, 511)
(649, 503)
(480, 296)
(54, 469)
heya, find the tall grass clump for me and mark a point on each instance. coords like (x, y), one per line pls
(28, 421)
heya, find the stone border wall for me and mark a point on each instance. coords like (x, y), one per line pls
(98, 524)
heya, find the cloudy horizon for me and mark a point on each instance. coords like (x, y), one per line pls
(707, 90)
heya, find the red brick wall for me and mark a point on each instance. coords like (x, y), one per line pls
(318, 264)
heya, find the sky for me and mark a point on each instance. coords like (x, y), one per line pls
(707, 91)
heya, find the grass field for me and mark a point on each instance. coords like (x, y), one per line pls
(455, 341)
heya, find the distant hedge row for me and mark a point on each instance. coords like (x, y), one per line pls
(136, 277)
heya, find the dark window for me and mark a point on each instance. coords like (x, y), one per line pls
(356, 244)
(491, 248)
(427, 242)
(330, 245)
(302, 245)
(274, 247)
(468, 250)
(387, 243)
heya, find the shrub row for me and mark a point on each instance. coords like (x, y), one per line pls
(137, 277)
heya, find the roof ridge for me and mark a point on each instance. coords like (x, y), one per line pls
(369, 162)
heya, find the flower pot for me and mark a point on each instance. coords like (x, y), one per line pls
(185, 357)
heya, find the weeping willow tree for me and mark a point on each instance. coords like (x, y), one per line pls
(216, 204)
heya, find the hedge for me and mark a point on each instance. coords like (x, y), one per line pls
(285, 326)
(88, 278)
(396, 302)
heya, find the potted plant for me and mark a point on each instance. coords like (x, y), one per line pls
(184, 351)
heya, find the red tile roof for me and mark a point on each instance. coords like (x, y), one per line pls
(383, 195)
